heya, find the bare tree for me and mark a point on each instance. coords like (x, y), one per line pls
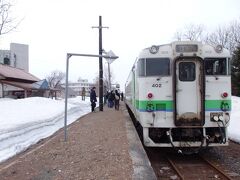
(178, 36)
(55, 79)
(191, 32)
(7, 23)
(235, 31)
(220, 36)
(227, 36)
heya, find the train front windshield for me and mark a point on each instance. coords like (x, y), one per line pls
(215, 66)
(153, 67)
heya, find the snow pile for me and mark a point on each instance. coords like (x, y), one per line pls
(24, 122)
(233, 129)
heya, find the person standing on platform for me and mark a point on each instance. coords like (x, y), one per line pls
(107, 97)
(83, 94)
(116, 100)
(93, 98)
(111, 99)
(121, 96)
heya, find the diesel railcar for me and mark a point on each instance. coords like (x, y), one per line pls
(180, 94)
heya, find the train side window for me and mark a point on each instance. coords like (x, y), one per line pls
(215, 66)
(141, 67)
(187, 71)
(157, 66)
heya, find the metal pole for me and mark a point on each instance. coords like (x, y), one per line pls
(100, 64)
(66, 99)
(109, 77)
(100, 67)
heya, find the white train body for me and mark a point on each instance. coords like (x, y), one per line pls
(180, 93)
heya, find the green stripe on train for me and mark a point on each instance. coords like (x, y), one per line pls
(214, 104)
(143, 104)
(209, 104)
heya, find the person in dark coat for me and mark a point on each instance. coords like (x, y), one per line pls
(106, 97)
(111, 99)
(93, 98)
(121, 96)
(116, 100)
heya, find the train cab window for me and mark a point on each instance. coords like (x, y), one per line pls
(187, 71)
(157, 66)
(153, 67)
(141, 67)
(215, 66)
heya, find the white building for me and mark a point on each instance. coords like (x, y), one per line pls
(16, 57)
(79, 85)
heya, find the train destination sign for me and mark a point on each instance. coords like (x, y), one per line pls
(180, 48)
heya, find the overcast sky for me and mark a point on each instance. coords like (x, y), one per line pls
(53, 28)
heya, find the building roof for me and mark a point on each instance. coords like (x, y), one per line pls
(40, 85)
(8, 73)
(43, 84)
(26, 86)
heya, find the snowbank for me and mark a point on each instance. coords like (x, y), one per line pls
(24, 122)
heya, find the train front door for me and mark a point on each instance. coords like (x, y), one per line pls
(189, 92)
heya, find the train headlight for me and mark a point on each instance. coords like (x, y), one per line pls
(219, 48)
(225, 94)
(220, 117)
(149, 95)
(215, 118)
(154, 49)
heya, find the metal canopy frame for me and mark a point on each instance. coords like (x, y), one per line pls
(69, 55)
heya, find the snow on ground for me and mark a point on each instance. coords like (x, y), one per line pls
(233, 130)
(24, 122)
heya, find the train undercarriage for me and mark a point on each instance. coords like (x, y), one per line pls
(185, 137)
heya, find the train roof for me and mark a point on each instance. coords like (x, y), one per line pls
(186, 48)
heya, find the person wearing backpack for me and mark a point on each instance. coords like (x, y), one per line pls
(116, 100)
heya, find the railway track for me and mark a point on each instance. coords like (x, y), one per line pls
(195, 167)
(167, 164)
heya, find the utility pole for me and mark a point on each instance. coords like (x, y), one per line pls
(100, 64)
